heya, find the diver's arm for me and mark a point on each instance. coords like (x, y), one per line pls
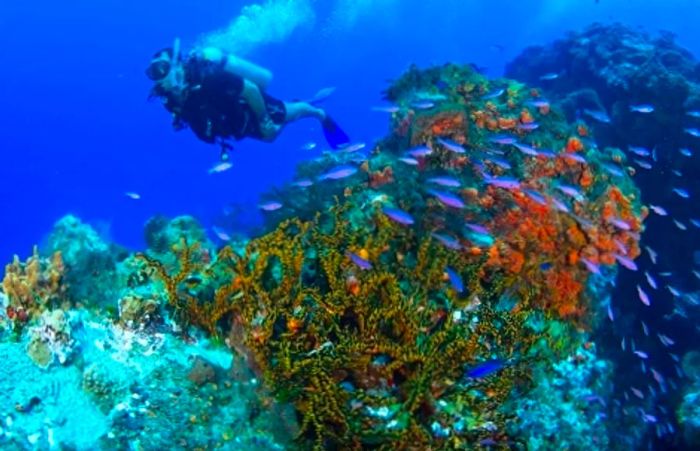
(251, 94)
(238, 66)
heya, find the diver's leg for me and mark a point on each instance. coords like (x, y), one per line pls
(300, 110)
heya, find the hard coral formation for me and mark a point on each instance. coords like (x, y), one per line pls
(51, 339)
(90, 261)
(342, 306)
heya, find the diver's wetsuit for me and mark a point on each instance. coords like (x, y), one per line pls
(213, 107)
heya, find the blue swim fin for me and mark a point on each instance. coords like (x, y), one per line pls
(335, 136)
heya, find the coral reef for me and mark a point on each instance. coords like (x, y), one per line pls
(342, 306)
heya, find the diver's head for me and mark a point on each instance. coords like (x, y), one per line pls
(160, 65)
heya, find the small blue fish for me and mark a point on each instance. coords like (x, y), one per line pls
(423, 104)
(527, 150)
(448, 241)
(450, 145)
(546, 266)
(455, 280)
(600, 116)
(359, 261)
(399, 216)
(503, 164)
(303, 183)
(549, 76)
(386, 109)
(338, 173)
(271, 206)
(692, 132)
(409, 161)
(642, 108)
(485, 369)
(309, 146)
(686, 152)
(642, 164)
(575, 157)
(494, 94)
(539, 103)
(612, 169)
(695, 114)
(639, 150)
(681, 192)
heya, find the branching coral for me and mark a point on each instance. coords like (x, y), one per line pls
(33, 286)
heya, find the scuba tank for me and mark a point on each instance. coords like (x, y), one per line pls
(243, 68)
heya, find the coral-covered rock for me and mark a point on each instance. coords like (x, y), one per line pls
(91, 262)
(51, 339)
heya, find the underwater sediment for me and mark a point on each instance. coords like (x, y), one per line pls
(433, 290)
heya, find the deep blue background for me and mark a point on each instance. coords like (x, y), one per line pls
(76, 131)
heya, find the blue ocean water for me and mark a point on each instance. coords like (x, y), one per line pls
(77, 132)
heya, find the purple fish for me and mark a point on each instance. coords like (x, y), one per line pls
(547, 154)
(503, 182)
(619, 223)
(451, 145)
(477, 228)
(661, 211)
(535, 196)
(444, 181)
(503, 139)
(304, 183)
(575, 157)
(610, 313)
(642, 164)
(643, 296)
(448, 241)
(359, 261)
(637, 392)
(626, 262)
(559, 205)
(658, 377)
(270, 206)
(530, 126)
(639, 150)
(503, 164)
(338, 173)
(447, 199)
(590, 266)
(571, 191)
(397, 215)
(419, 151)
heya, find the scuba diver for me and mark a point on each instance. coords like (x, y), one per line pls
(221, 97)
